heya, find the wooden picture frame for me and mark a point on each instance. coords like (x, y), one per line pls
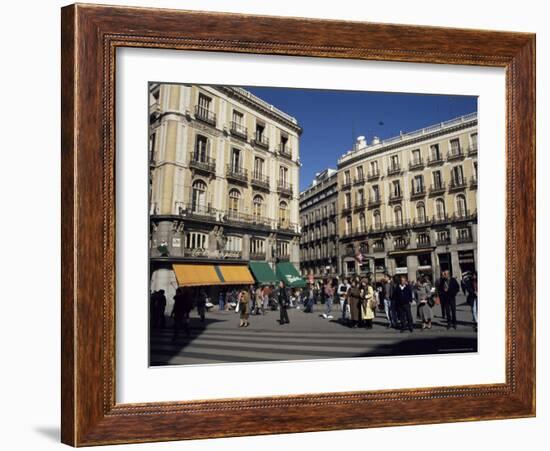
(90, 36)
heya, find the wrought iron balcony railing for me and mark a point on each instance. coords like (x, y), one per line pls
(202, 163)
(237, 173)
(205, 115)
(239, 130)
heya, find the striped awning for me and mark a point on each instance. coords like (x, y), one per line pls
(195, 275)
(235, 275)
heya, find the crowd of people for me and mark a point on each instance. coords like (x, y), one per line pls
(357, 300)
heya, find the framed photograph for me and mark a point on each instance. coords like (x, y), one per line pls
(292, 221)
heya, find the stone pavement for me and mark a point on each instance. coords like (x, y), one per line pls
(308, 336)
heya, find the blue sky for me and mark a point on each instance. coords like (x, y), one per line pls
(333, 119)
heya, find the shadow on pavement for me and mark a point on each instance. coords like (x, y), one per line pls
(424, 345)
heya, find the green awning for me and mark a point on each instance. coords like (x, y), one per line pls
(263, 273)
(287, 272)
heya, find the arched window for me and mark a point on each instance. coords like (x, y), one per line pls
(258, 206)
(283, 214)
(198, 199)
(398, 216)
(440, 209)
(420, 212)
(376, 220)
(460, 205)
(234, 200)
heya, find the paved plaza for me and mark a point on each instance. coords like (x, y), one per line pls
(308, 336)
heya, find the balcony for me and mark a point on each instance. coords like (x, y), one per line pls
(346, 184)
(394, 169)
(457, 184)
(239, 130)
(378, 246)
(203, 164)
(473, 182)
(463, 215)
(435, 160)
(437, 189)
(290, 227)
(347, 209)
(197, 211)
(360, 204)
(260, 140)
(237, 174)
(284, 150)
(440, 219)
(472, 150)
(260, 181)
(396, 225)
(417, 164)
(233, 216)
(359, 180)
(205, 115)
(423, 243)
(373, 175)
(374, 201)
(421, 222)
(257, 256)
(395, 197)
(284, 188)
(443, 241)
(455, 154)
(464, 239)
(418, 193)
(401, 244)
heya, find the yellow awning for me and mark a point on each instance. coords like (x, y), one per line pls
(236, 275)
(196, 275)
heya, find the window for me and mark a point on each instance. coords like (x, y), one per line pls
(376, 220)
(347, 178)
(361, 196)
(373, 167)
(463, 234)
(394, 162)
(258, 206)
(347, 200)
(362, 223)
(475, 170)
(396, 188)
(260, 129)
(457, 175)
(152, 142)
(348, 224)
(196, 240)
(435, 152)
(455, 146)
(398, 216)
(283, 213)
(283, 175)
(375, 193)
(234, 200)
(416, 159)
(282, 248)
(258, 167)
(461, 205)
(234, 244)
(443, 236)
(473, 141)
(198, 196)
(418, 184)
(437, 179)
(284, 143)
(360, 175)
(423, 239)
(201, 148)
(420, 212)
(238, 118)
(204, 104)
(257, 246)
(440, 209)
(236, 160)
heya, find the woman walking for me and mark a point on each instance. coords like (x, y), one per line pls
(244, 307)
(425, 299)
(283, 301)
(354, 302)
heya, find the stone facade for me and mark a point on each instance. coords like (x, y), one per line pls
(224, 168)
(409, 204)
(319, 224)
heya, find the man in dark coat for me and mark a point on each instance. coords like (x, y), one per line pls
(283, 301)
(447, 289)
(183, 303)
(403, 296)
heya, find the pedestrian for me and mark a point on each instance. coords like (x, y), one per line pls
(183, 303)
(283, 301)
(354, 302)
(368, 304)
(470, 286)
(201, 304)
(160, 308)
(243, 299)
(221, 301)
(447, 290)
(310, 299)
(258, 301)
(425, 302)
(386, 293)
(403, 297)
(328, 289)
(342, 295)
